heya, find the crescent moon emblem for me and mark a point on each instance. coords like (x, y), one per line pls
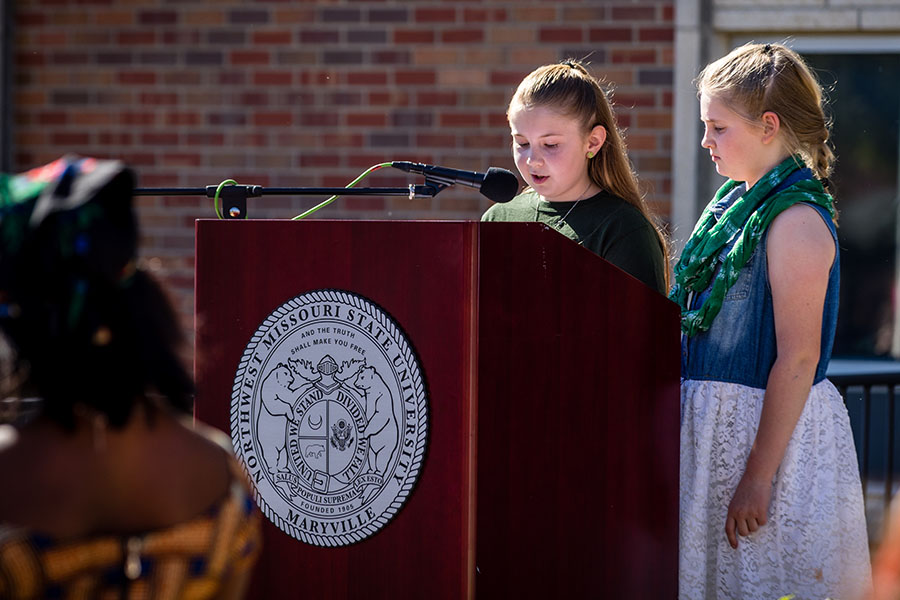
(316, 425)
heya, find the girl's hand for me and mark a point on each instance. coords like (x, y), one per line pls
(748, 508)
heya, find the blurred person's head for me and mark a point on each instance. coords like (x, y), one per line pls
(88, 328)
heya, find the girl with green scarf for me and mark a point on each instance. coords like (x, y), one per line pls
(771, 502)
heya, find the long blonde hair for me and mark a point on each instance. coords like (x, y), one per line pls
(757, 78)
(569, 89)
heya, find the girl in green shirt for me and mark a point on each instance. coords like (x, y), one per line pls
(570, 152)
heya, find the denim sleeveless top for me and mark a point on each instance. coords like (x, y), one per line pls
(739, 347)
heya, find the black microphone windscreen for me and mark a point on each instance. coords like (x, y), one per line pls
(499, 185)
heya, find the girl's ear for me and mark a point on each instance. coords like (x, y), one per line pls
(771, 125)
(596, 139)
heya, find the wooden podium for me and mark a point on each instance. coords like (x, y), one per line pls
(551, 467)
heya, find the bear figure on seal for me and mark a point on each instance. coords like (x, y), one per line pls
(381, 414)
(271, 424)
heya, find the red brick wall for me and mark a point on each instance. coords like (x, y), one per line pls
(303, 93)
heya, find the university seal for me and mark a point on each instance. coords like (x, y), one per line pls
(329, 417)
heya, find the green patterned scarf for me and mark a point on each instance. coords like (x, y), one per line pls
(779, 189)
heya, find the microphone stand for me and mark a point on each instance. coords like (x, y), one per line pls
(234, 197)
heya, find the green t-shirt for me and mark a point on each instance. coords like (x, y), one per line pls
(605, 224)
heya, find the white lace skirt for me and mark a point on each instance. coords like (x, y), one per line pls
(814, 544)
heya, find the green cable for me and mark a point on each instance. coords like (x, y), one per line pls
(216, 198)
(365, 173)
(335, 197)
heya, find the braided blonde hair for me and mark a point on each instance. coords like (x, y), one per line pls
(757, 78)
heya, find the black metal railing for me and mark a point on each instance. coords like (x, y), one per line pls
(869, 389)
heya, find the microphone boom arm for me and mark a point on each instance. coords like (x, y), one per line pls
(234, 197)
(498, 185)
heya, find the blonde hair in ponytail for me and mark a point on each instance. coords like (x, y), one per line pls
(569, 89)
(757, 78)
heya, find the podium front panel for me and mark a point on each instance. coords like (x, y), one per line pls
(423, 275)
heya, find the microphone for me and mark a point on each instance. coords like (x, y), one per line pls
(497, 184)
